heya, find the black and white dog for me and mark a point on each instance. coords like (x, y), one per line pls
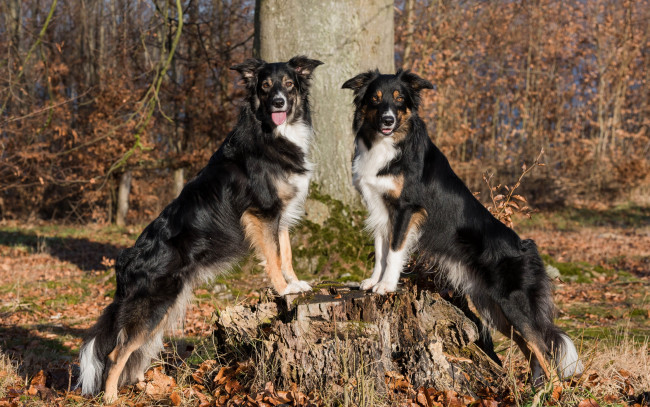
(416, 202)
(250, 193)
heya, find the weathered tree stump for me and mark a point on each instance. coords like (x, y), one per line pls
(340, 335)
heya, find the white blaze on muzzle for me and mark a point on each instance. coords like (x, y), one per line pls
(279, 107)
(388, 122)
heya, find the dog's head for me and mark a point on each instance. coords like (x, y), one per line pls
(277, 91)
(385, 103)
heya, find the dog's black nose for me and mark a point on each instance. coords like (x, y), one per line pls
(387, 120)
(278, 102)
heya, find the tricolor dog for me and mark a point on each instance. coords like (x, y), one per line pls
(417, 203)
(249, 194)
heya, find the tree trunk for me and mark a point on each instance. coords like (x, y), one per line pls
(123, 198)
(179, 181)
(343, 335)
(349, 36)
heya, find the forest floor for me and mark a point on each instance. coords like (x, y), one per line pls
(56, 279)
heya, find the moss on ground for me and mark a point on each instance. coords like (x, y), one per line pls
(339, 249)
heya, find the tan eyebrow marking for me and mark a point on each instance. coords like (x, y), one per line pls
(395, 93)
(379, 94)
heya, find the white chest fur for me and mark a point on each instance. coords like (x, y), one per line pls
(300, 134)
(367, 163)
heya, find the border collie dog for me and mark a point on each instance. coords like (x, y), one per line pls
(250, 193)
(416, 202)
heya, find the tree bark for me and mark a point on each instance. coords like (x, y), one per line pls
(349, 36)
(179, 181)
(348, 336)
(123, 198)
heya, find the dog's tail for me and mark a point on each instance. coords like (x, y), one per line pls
(565, 354)
(99, 343)
(562, 349)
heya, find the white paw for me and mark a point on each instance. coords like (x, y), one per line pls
(383, 287)
(295, 287)
(367, 284)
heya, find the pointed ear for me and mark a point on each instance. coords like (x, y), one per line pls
(415, 82)
(360, 81)
(249, 69)
(303, 65)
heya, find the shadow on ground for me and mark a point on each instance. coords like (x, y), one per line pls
(84, 253)
(35, 352)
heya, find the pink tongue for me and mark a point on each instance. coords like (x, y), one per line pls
(279, 117)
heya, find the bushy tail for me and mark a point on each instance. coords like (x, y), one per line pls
(562, 349)
(566, 357)
(95, 350)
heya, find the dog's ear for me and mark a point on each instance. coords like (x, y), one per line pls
(413, 81)
(360, 81)
(303, 65)
(249, 69)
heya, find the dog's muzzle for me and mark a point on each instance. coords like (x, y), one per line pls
(387, 123)
(279, 109)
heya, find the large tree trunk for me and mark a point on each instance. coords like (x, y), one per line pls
(349, 36)
(348, 336)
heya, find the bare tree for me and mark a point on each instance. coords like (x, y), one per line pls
(349, 36)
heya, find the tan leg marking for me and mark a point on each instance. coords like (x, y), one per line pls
(264, 240)
(118, 357)
(417, 219)
(543, 362)
(285, 256)
(398, 182)
(539, 355)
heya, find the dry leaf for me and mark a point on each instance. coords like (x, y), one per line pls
(176, 399)
(588, 403)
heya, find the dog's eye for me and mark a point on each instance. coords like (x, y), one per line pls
(399, 99)
(375, 99)
(266, 85)
(288, 84)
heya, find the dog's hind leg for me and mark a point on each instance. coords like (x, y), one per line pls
(517, 311)
(117, 360)
(494, 317)
(485, 337)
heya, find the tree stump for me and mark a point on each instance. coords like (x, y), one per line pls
(340, 336)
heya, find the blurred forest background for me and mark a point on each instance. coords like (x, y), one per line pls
(86, 101)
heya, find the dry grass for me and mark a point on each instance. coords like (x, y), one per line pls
(613, 370)
(8, 374)
(626, 363)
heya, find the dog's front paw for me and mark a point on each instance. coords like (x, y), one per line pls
(296, 287)
(383, 287)
(367, 284)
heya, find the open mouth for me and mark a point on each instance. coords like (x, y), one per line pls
(387, 131)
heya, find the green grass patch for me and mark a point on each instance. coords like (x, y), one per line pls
(570, 218)
(579, 272)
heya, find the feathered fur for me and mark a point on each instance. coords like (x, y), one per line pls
(417, 203)
(251, 191)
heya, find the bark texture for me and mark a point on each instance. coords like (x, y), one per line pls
(348, 336)
(349, 36)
